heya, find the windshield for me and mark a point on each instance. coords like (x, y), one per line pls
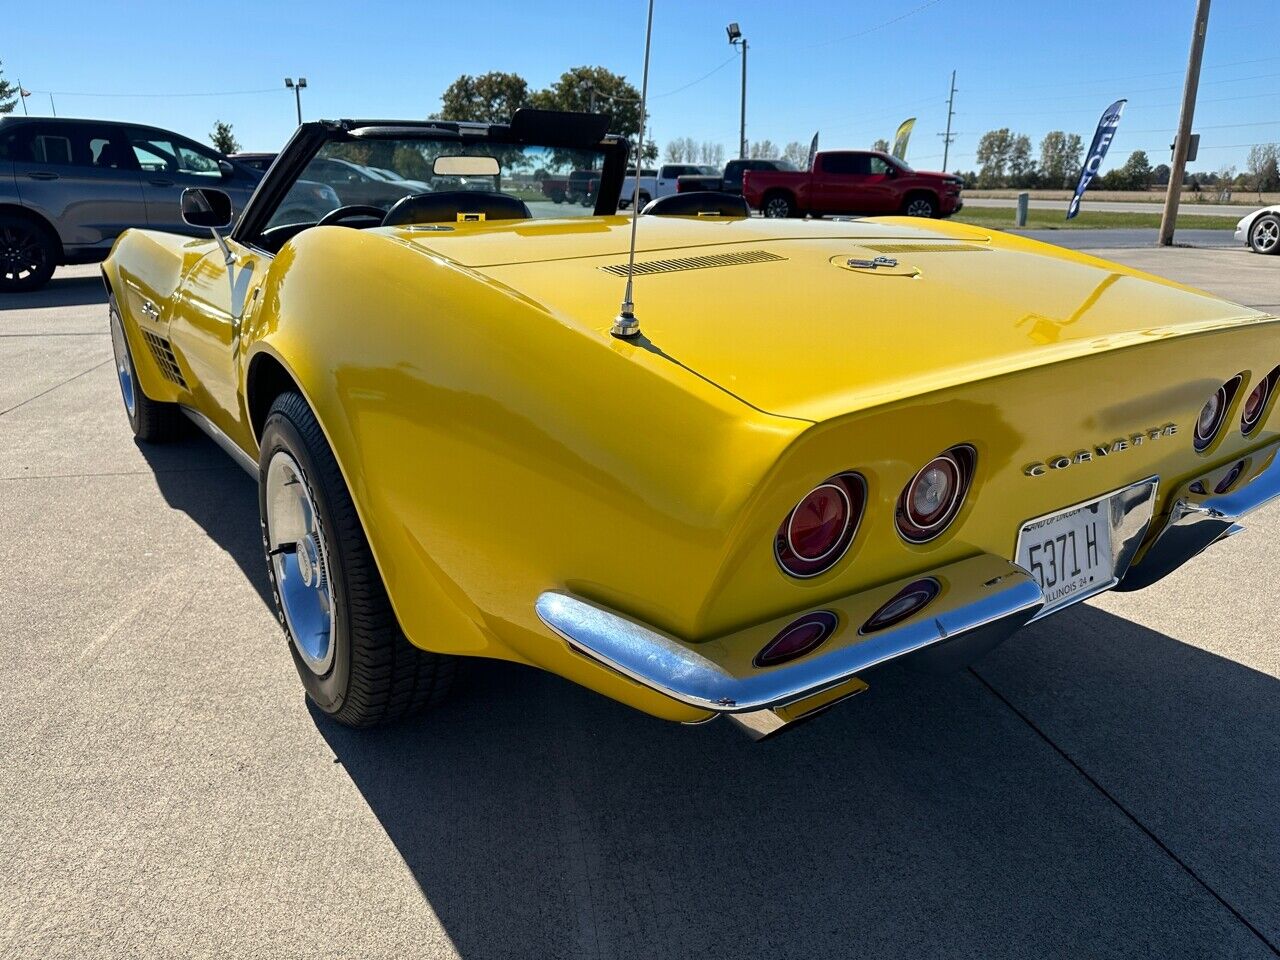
(552, 182)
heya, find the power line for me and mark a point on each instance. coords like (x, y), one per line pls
(214, 93)
(878, 26)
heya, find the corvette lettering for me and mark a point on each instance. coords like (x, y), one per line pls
(1098, 451)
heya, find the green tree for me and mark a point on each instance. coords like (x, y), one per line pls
(612, 92)
(882, 145)
(1022, 169)
(1136, 172)
(8, 93)
(489, 98)
(796, 153)
(1060, 158)
(1161, 174)
(995, 149)
(1264, 166)
(222, 138)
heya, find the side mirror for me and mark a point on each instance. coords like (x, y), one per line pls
(206, 207)
(890, 172)
(228, 169)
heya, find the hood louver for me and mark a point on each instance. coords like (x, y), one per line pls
(676, 264)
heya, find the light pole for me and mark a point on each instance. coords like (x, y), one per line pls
(735, 38)
(297, 93)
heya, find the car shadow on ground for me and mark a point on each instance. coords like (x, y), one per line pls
(924, 818)
(196, 477)
(59, 292)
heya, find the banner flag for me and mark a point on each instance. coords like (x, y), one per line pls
(901, 137)
(1102, 138)
(813, 149)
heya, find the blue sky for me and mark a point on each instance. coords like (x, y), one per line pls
(851, 69)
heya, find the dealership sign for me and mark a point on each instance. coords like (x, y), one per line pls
(1097, 151)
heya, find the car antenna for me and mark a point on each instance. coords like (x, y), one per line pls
(625, 324)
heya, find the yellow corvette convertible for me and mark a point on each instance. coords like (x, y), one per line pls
(813, 447)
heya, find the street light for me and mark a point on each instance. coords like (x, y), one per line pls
(735, 38)
(297, 93)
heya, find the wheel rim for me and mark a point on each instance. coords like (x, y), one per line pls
(919, 208)
(300, 561)
(124, 364)
(22, 255)
(777, 208)
(1266, 235)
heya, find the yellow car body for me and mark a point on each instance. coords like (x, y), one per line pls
(500, 445)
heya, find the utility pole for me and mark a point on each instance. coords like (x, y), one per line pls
(52, 108)
(297, 93)
(22, 95)
(1183, 143)
(947, 138)
(735, 38)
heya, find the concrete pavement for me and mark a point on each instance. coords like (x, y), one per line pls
(1102, 786)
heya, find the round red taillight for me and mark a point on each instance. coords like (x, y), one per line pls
(907, 602)
(1254, 405)
(934, 496)
(819, 529)
(798, 638)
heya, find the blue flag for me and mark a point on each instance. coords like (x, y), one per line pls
(1097, 150)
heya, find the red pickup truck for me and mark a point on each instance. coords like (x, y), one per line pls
(852, 181)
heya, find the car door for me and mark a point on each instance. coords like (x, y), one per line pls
(168, 165)
(80, 177)
(208, 314)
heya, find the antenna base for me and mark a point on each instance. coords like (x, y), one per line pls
(625, 325)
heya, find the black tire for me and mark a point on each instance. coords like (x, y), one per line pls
(921, 205)
(1264, 234)
(375, 675)
(152, 421)
(644, 199)
(28, 253)
(778, 206)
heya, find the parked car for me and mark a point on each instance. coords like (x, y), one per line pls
(69, 187)
(356, 183)
(1261, 230)
(579, 186)
(853, 182)
(260, 161)
(731, 180)
(741, 510)
(663, 183)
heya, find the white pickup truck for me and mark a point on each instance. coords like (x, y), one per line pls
(660, 182)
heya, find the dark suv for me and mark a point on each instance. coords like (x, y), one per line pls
(68, 188)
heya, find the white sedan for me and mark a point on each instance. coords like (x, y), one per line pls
(1261, 230)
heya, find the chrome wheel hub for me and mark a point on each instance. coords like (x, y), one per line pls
(1266, 235)
(299, 559)
(919, 208)
(124, 364)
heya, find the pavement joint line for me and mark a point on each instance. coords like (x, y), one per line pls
(1126, 811)
(42, 393)
(229, 468)
(55, 333)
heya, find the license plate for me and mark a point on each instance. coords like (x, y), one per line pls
(1069, 553)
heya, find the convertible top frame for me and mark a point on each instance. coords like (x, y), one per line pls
(551, 128)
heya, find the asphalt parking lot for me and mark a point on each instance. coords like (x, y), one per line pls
(1104, 785)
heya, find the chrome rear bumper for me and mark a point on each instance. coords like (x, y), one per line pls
(981, 602)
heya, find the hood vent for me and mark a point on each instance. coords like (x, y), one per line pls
(165, 360)
(924, 247)
(644, 267)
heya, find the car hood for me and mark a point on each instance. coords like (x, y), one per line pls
(774, 313)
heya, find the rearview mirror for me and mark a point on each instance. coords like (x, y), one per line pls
(206, 207)
(465, 167)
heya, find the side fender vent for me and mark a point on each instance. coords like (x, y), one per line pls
(644, 267)
(165, 360)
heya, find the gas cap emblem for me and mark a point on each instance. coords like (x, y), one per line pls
(878, 266)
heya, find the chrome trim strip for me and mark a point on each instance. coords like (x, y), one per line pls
(246, 462)
(984, 593)
(1131, 510)
(1196, 521)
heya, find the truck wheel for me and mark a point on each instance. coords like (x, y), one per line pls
(921, 205)
(1264, 235)
(28, 254)
(779, 206)
(150, 420)
(355, 663)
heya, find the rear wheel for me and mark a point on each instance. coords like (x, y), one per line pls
(355, 663)
(151, 420)
(28, 254)
(778, 206)
(1264, 235)
(921, 205)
